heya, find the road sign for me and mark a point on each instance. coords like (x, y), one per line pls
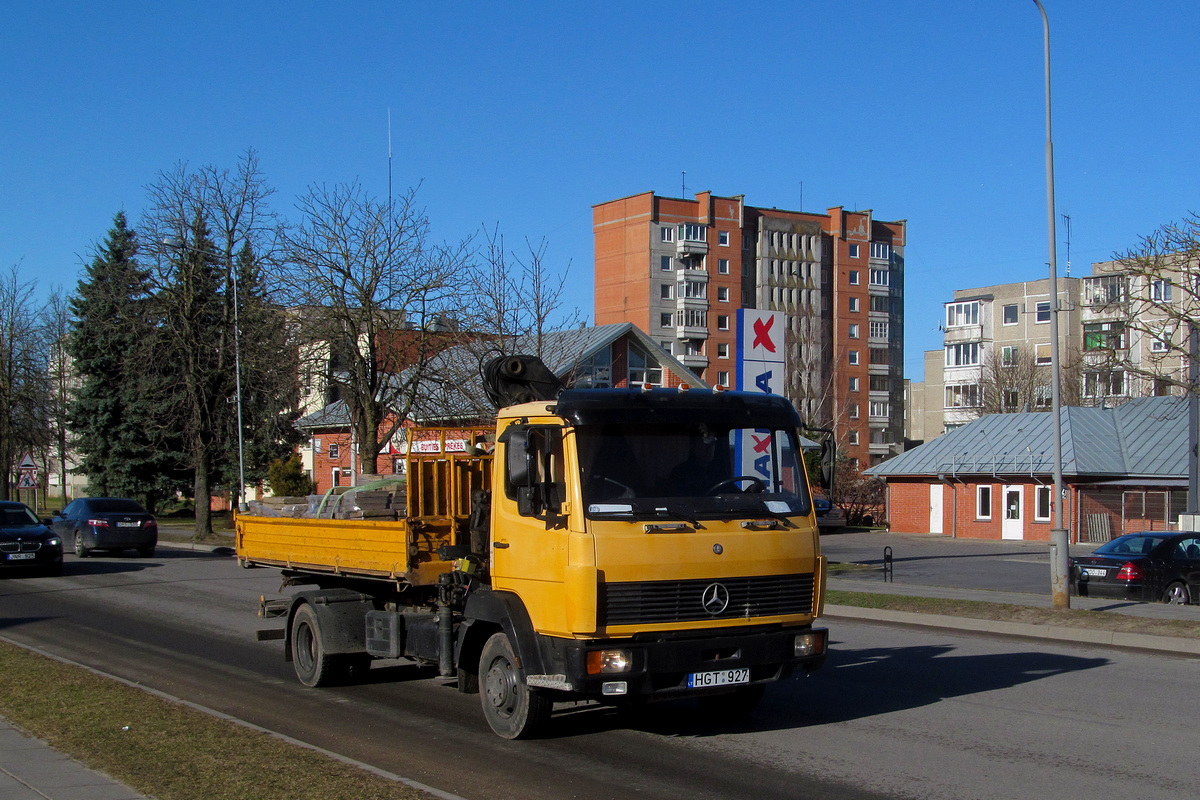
(28, 480)
(27, 462)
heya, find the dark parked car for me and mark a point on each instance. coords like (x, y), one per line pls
(829, 517)
(107, 523)
(26, 541)
(1142, 566)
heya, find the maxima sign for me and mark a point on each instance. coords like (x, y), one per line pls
(760, 368)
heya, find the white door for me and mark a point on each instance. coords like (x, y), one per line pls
(1013, 524)
(935, 507)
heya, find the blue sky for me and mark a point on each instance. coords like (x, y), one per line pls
(525, 115)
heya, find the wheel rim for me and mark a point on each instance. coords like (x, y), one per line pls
(305, 648)
(500, 687)
(1177, 595)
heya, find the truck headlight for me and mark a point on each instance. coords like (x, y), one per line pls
(604, 662)
(809, 644)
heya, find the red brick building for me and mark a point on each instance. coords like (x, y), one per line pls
(680, 269)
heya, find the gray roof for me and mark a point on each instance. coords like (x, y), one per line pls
(1146, 437)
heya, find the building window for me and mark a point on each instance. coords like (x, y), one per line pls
(852, 437)
(1008, 356)
(642, 370)
(880, 277)
(881, 250)
(853, 330)
(1161, 342)
(691, 318)
(723, 238)
(880, 355)
(723, 294)
(853, 250)
(334, 451)
(853, 277)
(879, 330)
(666, 320)
(853, 411)
(853, 356)
(964, 395)
(722, 322)
(694, 290)
(880, 383)
(1043, 312)
(959, 314)
(723, 266)
(723, 379)
(854, 384)
(1041, 503)
(1010, 314)
(1010, 399)
(1044, 353)
(668, 233)
(964, 354)
(664, 291)
(853, 305)
(722, 351)
(1160, 291)
(879, 408)
(1103, 336)
(1103, 290)
(666, 263)
(983, 502)
(1106, 383)
(666, 345)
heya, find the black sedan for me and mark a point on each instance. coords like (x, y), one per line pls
(108, 523)
(1142, 566)
(27, 542)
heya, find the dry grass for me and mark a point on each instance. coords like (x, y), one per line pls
(1067, 618)
(167, 750)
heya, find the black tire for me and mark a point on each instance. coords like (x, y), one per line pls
(80, 550)
(512, 709)
(1177, 594)
(733, 705)
(314, 667)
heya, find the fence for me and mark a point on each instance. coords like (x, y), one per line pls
(1108, 512)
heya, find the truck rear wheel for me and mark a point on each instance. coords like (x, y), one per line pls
(512, 709)
(314, 667)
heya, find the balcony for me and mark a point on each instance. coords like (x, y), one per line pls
(692, 239)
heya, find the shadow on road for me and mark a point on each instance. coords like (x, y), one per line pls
(854, 684)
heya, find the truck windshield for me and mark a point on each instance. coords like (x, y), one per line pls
(696, 471)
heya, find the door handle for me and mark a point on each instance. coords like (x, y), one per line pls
(500, 545)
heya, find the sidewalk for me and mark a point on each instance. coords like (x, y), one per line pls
(32, 770)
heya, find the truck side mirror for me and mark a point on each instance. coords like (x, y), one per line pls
(828, 464)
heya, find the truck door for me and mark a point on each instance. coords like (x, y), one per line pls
(529, 529)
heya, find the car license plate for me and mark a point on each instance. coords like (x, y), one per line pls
(1095, 573)
(724, 677)
(22, 556)
(128, 524)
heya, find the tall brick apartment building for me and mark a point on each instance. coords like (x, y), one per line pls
(680, 269)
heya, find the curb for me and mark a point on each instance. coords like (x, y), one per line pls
(1138, 641)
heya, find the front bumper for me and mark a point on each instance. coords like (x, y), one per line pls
(661, 663)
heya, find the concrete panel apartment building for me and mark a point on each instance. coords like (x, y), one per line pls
(681, 268)
(1106, 356)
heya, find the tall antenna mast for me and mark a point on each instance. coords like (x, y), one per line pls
(683, 187)
(1067, 225)
(389, 156)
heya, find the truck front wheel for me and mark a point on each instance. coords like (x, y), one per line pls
(512, 709)
(314, 667)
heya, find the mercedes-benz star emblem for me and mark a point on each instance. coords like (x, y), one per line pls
(715, 598)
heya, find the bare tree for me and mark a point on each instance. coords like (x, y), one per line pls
(23, 406)
(374, 300)
(213, 237)
(61, 381)
(1158, 300)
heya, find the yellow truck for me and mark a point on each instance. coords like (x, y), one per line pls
(619, 545)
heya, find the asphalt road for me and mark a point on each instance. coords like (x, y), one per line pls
(897, 712)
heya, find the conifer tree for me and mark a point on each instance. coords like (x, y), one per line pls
(107, 344)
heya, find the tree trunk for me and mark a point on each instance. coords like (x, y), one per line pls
(202, 495)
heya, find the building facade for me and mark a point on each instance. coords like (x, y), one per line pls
(681, 269)
(1122, 334)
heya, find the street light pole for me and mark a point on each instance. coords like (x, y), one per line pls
(1059, 538)
(178, 243)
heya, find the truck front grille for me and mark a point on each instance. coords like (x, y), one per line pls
(644, 602)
